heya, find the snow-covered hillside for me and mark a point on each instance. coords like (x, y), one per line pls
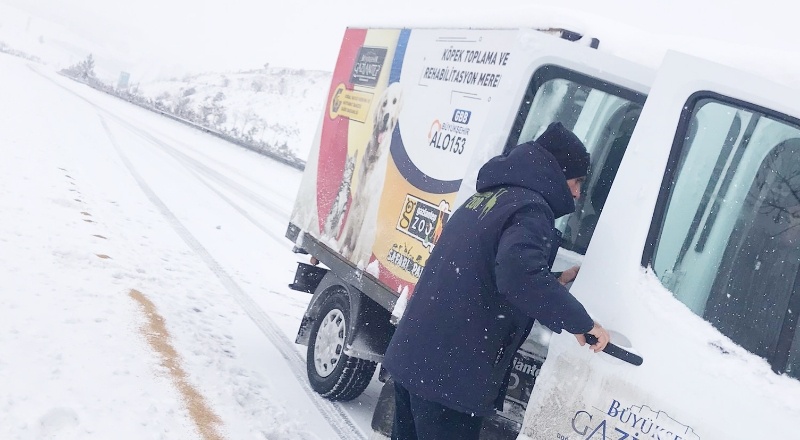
(275, 105)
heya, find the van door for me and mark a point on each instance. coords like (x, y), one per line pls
(693, 266)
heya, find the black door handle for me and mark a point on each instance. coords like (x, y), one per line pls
(616, 351)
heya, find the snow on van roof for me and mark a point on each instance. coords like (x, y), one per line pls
(730, 32)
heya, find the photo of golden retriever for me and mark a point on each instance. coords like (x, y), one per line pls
(359, 234)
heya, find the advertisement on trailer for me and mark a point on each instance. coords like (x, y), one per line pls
(404, 112)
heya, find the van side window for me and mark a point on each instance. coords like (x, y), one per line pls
(729, 242)
(601, 115)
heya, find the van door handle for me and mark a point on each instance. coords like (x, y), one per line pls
(616, 351)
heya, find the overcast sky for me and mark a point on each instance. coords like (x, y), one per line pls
(203, 35)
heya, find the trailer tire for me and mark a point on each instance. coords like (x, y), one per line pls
(332, 373)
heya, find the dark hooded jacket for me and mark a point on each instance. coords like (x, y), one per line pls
(485, 282)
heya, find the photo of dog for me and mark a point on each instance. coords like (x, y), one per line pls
(359, 233)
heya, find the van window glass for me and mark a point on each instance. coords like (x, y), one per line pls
(602, 115)
(793, 366)
(729, 244)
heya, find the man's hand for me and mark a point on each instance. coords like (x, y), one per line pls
(569, 275)
(598, 332)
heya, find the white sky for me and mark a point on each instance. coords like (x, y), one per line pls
(192, 35)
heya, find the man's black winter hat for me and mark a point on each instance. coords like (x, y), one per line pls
(569, 151)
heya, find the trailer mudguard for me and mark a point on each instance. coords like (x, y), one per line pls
(369, 329)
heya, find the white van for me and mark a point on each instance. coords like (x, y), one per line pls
(692, 265)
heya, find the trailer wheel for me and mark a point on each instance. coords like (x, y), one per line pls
(332, 373)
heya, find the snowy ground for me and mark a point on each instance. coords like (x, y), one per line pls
(116, 221)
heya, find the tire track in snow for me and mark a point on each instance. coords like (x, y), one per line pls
(203, 173)
(336, 416)
(333, 413)
(200, 170)
(228, 169)
(203, 169)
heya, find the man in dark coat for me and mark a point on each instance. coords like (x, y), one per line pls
(486, 281)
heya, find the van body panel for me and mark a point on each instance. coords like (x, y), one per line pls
(695, 382)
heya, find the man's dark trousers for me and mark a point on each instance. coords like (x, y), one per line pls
(418, 419)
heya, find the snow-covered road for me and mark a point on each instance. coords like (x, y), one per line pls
(106, 207)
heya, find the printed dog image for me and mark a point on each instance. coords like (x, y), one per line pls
(335, 218)
(358, 236)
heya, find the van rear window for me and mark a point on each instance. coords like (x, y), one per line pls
(729, 241)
